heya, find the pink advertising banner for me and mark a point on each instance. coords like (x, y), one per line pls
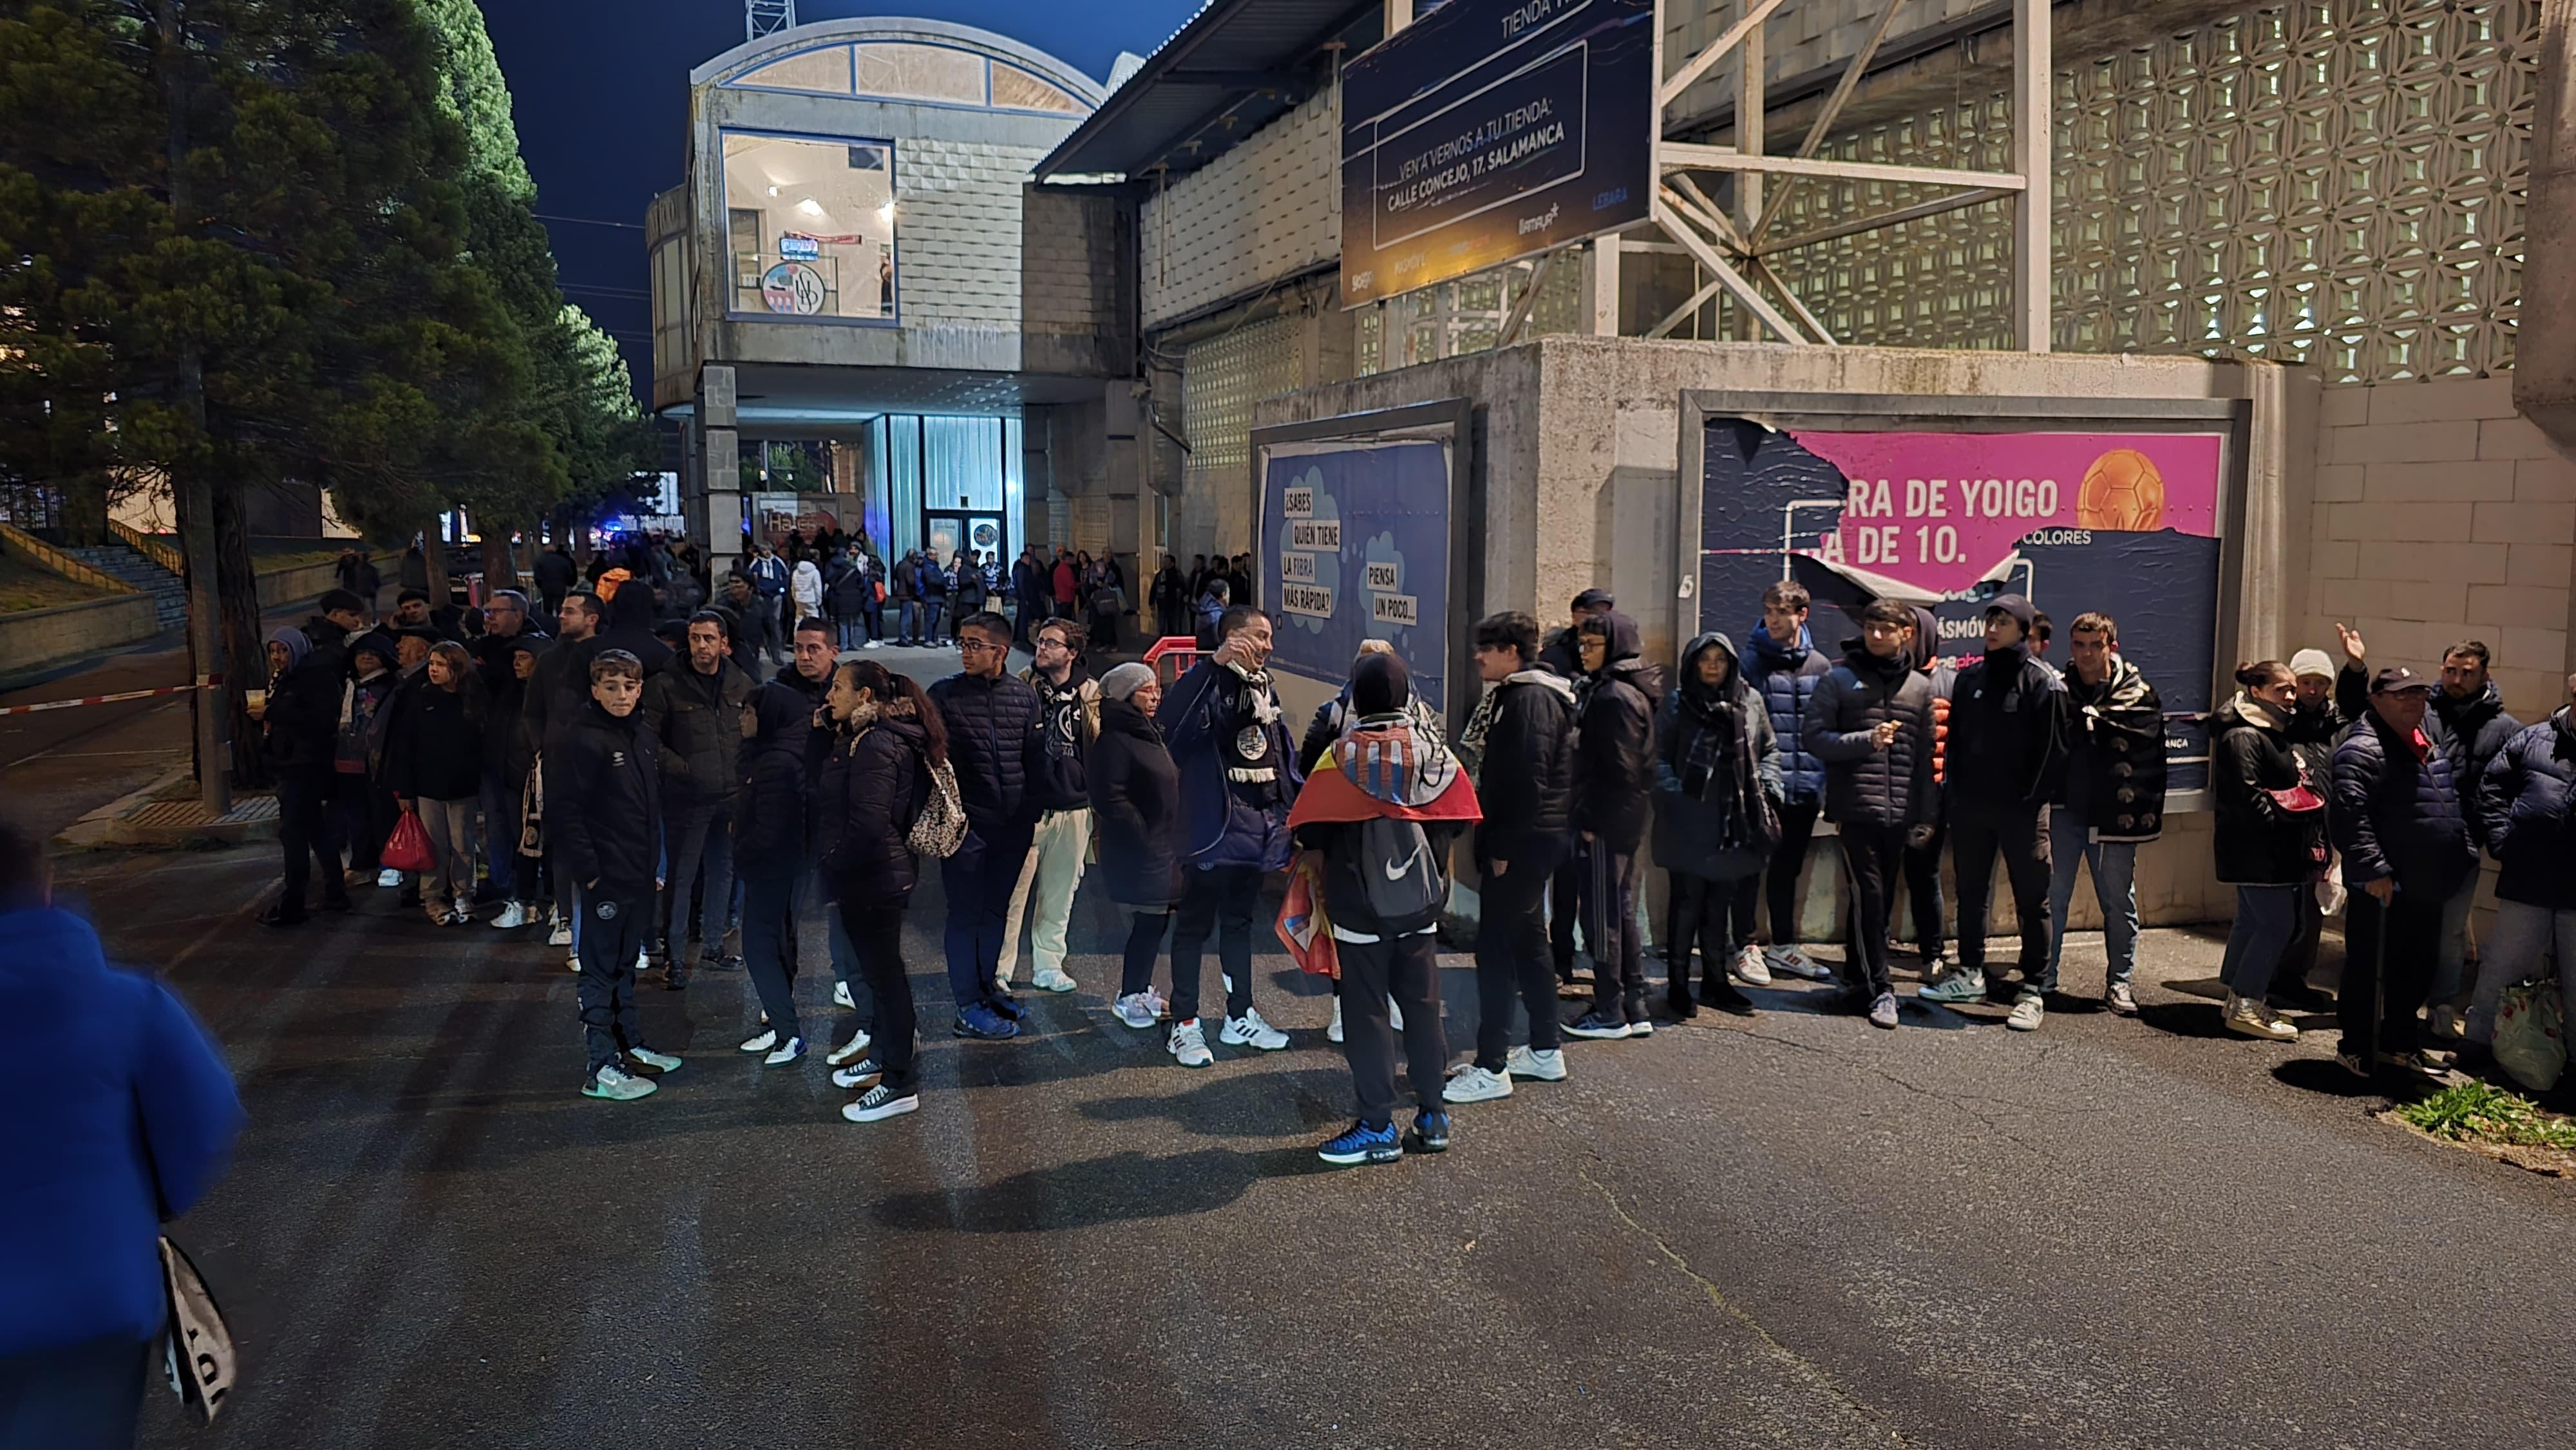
(1940, 511)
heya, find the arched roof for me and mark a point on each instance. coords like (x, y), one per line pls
(810, 53)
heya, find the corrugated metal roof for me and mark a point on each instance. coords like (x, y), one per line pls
(1236, 65)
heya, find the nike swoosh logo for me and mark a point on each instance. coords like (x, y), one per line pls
(1397, 871)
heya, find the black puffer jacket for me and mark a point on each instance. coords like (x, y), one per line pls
(2114, 779)
(2007, 734)
(1614, 751)
(604, 800)
(1864, 784)
(2396, 816)
(1525, 774)
(770, 820)
(1136, 805)
(299, 728)
(2524, 800)
(2480, 730)
(559, 692)
(697, 719)
(872, 790)
(996, 744)
(2258, 843)
(507, 752)
(434, 745)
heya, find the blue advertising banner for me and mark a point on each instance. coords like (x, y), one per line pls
(1354, 545)
(1490, 130)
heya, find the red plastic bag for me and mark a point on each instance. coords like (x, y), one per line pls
(1303, 927)
(407, 849)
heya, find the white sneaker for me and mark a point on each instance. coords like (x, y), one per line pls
(766, 1039)
(1136, 1009)
(660, 1061)
(1394, 1015)
(1249, 1030)
(841, 997)
(1548, 1066)
(856, 1047)
(512, 917)
(1051, 979)
(1334, 1032)
(1798, 964)
(787, 1052)
(880, 1102)
(1473, 1084)
(572, 961)
(388, 877)
(2028, 1011)
(1189, 1044)
(1750, 968)
(561, 936)
(643, 962)
(618, 1086)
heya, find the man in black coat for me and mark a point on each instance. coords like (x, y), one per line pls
(298, 724)
(1614, 765)
(693, 710)
(604, 815)
(2007, 741)
(2109, 797)
(2395, 814)
(555, 573)
(558, 695)
(1559, 655)
(1520, 745)
(1870, 722)
(997, 744)
(2524, 808)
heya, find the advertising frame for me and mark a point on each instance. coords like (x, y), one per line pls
(1449, 420)
(722, 241)
(2230, 418)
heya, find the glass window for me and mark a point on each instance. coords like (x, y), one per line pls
(826, 70)
(810, 227)
(1021, 91)
(921, 73)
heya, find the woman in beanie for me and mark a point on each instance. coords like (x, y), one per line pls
(1136, 806)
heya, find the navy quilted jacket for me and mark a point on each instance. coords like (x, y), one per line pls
(996, 743)
(2395, 816)
(1787, 676)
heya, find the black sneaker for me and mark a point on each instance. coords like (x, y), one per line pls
(1600, 1026)
(1723, 996)
(1429, 1134)
(675, 978)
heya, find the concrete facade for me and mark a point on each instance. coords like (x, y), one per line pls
(33, 638)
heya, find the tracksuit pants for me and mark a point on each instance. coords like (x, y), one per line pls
(1610, 926)
(1043, 896)
(768, 947)
(615, 918)
(1873, 855)
(1219, 900)
(304, 834)
(2021, 834)
(1407, 969)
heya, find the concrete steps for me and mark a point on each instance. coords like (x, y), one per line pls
(169, 593)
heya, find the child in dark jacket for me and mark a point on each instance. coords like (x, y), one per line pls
(769, 836)
(604, 813)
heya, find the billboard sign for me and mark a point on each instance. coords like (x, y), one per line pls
(1491, 130)
(2124, 522)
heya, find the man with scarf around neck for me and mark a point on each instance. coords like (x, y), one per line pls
(2395, 815)
(1614, 773)
(1871, 724)
(2523, 806)
(1386, 768)
(1238, 775)
(1784, 669)
(2007, 737)
(2110, 797)
(1717, 793)
(1069, 699)
(1518, 747)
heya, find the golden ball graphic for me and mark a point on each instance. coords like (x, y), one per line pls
(2122, 492)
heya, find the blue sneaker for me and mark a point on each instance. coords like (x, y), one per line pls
(1363, 1144)
(1430, 1133)
(978, 1020)
(1006, 1006)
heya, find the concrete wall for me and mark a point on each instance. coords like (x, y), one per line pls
(1270, 208)
(1078, 281)
(31, 638)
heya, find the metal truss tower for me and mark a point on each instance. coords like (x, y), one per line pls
(767, 17)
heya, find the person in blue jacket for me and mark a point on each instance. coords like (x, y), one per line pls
(1783, 665)
(122, 1114)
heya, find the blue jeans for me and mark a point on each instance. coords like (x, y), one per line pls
(501, 834)
(2265, 916)
(911, 619)
(699, 836)
(2115, 886)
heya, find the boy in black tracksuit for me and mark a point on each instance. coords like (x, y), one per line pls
(1520, 745)
(604, 814)
(2007, 735)
(1614, 762)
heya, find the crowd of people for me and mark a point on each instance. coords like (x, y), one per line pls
(635, 785)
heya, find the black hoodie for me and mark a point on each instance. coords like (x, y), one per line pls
(769, 816)
(2007, 735)
(1614, 753)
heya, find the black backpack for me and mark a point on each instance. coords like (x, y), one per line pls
(1402, 880)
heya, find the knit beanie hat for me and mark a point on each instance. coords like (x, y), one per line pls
(2312, 662)
(1125, 681)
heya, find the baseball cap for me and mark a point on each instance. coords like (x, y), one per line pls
(2016, 605)
(1595, 599)
(2397, 679)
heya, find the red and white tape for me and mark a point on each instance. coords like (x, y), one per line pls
(207, 683)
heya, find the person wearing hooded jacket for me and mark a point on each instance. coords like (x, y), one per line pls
(1562, 654)
(603, 785)
(874, 785)
(1870, 722)
(1784, 667)
(2007, 739)
(2270, 852)
(1614, 776)
(2396, 818)
(1717, 794)
(434, 767)
(1518, 747)
(2109, 796)
(2523, 808)
(298, 724)
(770, 835)
(1043, 897)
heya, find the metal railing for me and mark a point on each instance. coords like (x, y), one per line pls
(165, 555)
(62, 563)
(1183, 648)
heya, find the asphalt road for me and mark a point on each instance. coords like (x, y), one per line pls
(1784, 1231)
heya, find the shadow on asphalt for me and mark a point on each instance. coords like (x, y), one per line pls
(2184, 1019)
(2326, 1076)
(1120, 1189)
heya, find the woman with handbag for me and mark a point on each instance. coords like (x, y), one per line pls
(2270, 841)
(1717, 818)
(875, 784)
(434, 767)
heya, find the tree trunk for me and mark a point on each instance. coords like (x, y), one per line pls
(245, 641)
(84, 515)
(435, 551)
(500, 564)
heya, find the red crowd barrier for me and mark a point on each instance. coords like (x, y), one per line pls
(1182, 648)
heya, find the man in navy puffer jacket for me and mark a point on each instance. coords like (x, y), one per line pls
(1785, 667)
(2396, 818)
(997, 743)
(122, 1114)
(2523, 810)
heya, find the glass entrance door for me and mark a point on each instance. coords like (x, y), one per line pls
(975, 534)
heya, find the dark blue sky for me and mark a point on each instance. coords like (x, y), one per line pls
(602, 93)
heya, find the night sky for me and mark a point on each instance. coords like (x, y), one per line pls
(602, 93)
